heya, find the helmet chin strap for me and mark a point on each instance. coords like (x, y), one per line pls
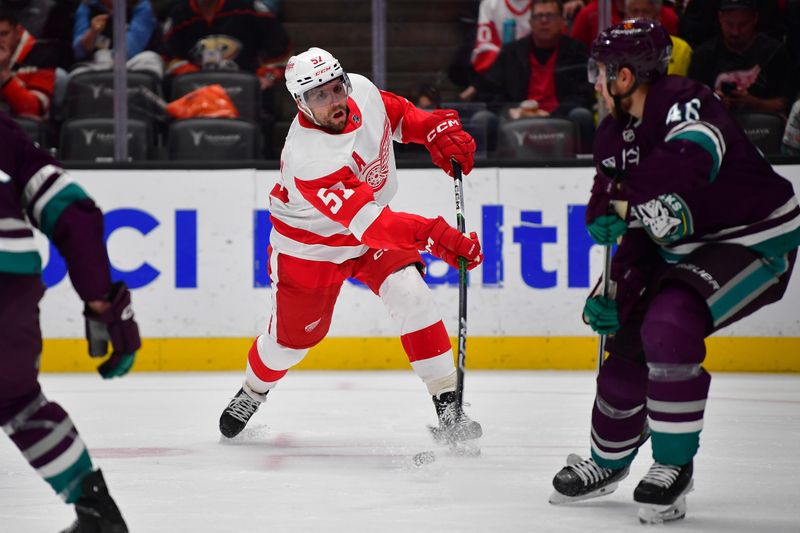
(619, 113)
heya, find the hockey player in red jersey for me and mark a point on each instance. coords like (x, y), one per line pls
(35, 191)
(709, 235)
(331, 221)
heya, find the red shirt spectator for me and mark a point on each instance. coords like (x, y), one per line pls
(584, 28)
(27, 79)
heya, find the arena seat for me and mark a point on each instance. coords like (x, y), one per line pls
(765, 130)
(34, 128)
(212, 139)
(92, 139)
(91, 94)
(242, 87)
(538, 138)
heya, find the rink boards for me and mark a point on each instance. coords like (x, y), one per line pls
(192, 246)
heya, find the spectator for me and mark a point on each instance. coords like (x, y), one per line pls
(500, 22)
(681, 51)
(226, 35)
(698, 23)
(585, 27)
(93, 37)
(748, 70)
(50, 22)
(427, 97)
(548, 68)
(27, 73)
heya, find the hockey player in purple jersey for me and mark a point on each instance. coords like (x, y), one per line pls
(35, 190)
(708, 234)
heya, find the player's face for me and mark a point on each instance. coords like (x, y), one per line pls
(328, 103)
(601, 86)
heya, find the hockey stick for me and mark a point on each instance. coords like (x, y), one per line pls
(462, 287)
(605, 283)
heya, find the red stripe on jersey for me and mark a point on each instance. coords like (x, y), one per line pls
(338, 196)
(426, 343)
(261, 370)
(281, 193)
(307, 237)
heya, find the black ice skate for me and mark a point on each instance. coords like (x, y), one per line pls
(455, 427)
(241, 407)
(583, 479)
(97, 512)
(662, 493)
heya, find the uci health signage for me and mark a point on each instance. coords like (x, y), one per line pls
(192, 245)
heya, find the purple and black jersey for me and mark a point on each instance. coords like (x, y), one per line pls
(35, 190)
(692, 177)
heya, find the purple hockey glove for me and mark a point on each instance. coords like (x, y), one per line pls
(115, 324)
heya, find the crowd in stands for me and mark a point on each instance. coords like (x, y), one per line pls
(746, 50)
(522, 84)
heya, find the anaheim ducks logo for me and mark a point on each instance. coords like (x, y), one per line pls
(376, 172)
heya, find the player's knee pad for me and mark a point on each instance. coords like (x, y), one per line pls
(278, 357)
(408, 300)
(621, 387)
(674, 328)
(12, 407)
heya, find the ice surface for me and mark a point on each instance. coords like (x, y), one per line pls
(332, 452)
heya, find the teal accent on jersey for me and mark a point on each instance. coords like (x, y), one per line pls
(780, 245)
(615, 464)
(67, 483)
(732, 297)
(674, 448)
(707, 143)
(52, 210)
(20, 262)
(670, 257)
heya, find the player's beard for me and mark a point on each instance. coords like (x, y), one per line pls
(338, 123)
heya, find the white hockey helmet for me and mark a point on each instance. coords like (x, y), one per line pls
(308, 70)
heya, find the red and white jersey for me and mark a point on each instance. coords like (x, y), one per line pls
(334, 185)
(492, 15)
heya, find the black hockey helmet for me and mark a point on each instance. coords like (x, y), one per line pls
(643, 46)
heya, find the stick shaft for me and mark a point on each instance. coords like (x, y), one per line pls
(462, 287)
(606, 281)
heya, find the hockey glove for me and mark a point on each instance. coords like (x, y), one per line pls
(448, 244)
(601, 314)
(606, 229)
(115, 324)
(446, 141)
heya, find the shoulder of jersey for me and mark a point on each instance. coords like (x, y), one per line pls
(361, 84)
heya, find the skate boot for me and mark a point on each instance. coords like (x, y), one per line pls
(97, 512)
(662, 493)
(455, 427)
(241, 407)
(583, 479)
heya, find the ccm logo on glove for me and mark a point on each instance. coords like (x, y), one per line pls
(441, 127)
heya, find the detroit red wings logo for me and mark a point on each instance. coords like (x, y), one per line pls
(376, 172)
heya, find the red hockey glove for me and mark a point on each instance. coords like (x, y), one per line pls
(445, 140)
(115, 324)
(448, 244)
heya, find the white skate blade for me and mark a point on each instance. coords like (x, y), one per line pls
(658, 514)
(560, 499)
